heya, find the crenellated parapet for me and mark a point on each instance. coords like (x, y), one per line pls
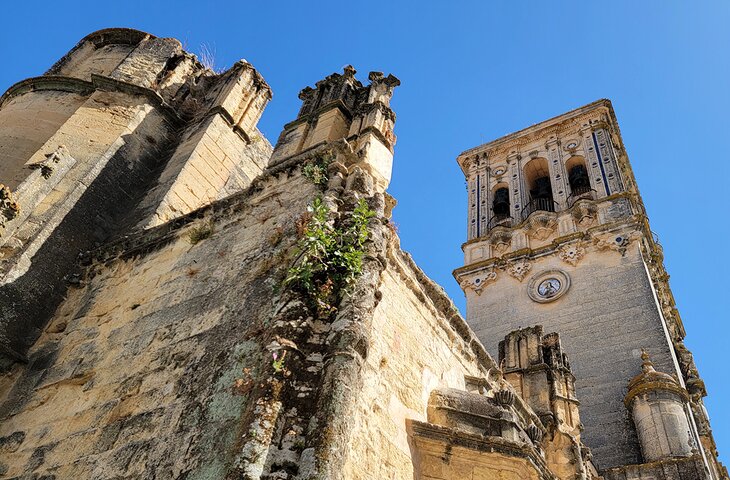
(340, 107)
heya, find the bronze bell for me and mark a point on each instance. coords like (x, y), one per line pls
(578, 178)
(500, 205)
(542, 188)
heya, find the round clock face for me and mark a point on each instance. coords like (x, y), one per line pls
(548, 288)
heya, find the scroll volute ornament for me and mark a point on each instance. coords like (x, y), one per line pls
(541, 225)
(584, 213)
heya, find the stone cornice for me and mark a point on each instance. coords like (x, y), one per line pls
(451, 437)
(632, 222)
(523, 223)
(100, 38)
(654, 386)
(86, 87)
(544, 128)
(48, 82)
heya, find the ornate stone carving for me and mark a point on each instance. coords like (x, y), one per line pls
(572, 254)
(584, 213)
(504, 397)
(478, 281)
(541, 225)
(617, 242)
(695, 385)
(519, 269)
(534, 432)
(500, 238)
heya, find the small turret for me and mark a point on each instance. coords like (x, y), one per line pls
(657, 403)
(340, 107)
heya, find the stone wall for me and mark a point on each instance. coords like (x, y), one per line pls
(604, 320)
(126, 130)
(145, 370)
(419, 343)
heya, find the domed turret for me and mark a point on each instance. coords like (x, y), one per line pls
(657, 402)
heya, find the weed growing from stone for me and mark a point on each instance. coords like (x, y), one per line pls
(278, 363)
(316, 172)
(329, 257)
(200, 232)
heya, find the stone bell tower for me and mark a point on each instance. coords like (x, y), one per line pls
(558, 236)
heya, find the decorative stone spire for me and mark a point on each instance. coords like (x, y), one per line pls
(647, 366)
(341, 110)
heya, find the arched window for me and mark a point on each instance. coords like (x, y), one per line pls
(500, 205)
(537, 178)
(580, 183)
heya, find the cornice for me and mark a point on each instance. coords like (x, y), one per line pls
(553, 125)
(575, 206)
(653, 386)
(86, 88)
(103, 37)
(631, 222)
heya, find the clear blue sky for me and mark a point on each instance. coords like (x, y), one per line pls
(471, 72)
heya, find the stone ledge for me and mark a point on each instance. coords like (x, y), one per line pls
(435, 435)
(85, 88)
(688, 468)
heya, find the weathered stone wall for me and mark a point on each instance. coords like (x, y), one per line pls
(211, 162)
(144, 371)
(126, 130)
(419, 343)
(26, 123)
(604, 320)
(92, 186)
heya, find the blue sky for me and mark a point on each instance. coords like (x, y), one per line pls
(471, 72)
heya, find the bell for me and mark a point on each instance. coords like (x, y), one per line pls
(500, 205)
(578, 178)
(542, 188)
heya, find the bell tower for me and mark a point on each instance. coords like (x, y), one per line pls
(558, 236)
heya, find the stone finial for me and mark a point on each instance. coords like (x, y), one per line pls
(646, 364)
(349, 71)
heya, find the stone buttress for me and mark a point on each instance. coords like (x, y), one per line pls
(127, 129)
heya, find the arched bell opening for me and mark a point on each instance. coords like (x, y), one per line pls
(500, 205)
(578, 179)
(537, 176)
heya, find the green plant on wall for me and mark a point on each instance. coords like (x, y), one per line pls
(316, 171)
(329, 257)
(200, 232)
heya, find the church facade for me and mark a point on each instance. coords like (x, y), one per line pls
(182, 300)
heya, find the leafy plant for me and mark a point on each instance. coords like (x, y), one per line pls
(278, 363)
(329, 256)
(316, 171)
(200, 232)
